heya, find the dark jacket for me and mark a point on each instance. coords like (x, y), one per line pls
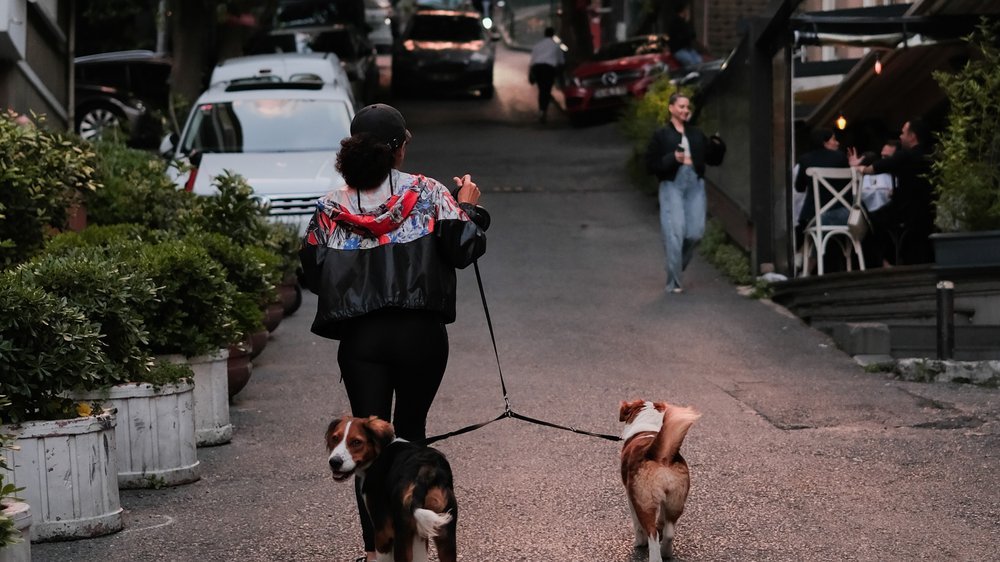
(819, 158)
(401, 255)
(912, 201)
(660, 159)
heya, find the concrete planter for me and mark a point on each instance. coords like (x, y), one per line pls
(155, 433)
(211, 396)
(20, 512)
(967, 249)
(239, 367)
(69, 472)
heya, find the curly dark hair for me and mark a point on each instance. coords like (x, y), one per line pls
(364, 162)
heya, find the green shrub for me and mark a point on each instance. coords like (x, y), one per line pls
(163, 372)
(639, 121)
(192, 314)
(47, 347)
(284, 240)
(41, 174)
(733, 262)
(233, 211)
(136, 189)
(8, 491)
(253, 271)
(99, 286)
(966, 164)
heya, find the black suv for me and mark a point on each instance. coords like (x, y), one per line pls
(124, 92)
(444, 50)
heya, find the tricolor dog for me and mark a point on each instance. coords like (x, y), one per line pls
(654, 472)
(407, 488)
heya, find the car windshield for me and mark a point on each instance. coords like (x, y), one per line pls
(629, 49)
(268, 125)
(458, 29)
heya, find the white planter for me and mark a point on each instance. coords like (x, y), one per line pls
(155, 433)
(211, 396)
(20, 512)
(69, 472)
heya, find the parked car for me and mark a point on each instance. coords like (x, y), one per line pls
(444, 49)
(378, 16)
(619, 71)
(277, 120)
(125, 92)
(308, 26)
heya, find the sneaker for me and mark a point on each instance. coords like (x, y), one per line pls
(677, 290)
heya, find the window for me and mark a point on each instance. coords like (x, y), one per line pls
(268, 125)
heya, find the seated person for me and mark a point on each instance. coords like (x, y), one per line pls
(909, 215)
(876, 189)
(827, 154)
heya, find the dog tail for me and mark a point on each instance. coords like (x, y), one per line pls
(676, 423)
(429, 523)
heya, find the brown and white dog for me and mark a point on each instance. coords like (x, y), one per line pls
(407, 488)
(654, 472)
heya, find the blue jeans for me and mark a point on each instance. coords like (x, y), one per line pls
(688, 57)
(682, 220)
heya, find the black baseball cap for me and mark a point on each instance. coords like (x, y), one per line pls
(383, 122)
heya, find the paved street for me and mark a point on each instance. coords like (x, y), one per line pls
(799, 455)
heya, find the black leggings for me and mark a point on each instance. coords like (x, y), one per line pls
(393, 351)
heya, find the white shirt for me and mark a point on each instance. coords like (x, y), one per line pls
(547, 51)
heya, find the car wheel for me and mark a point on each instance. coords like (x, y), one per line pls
(487, 92)
(97, 122)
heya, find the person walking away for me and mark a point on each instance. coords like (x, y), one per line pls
(908, 218)
(547, 60)
(677, 155)
(381, 253)
(682, 38)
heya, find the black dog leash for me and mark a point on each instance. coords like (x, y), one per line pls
(507, 411)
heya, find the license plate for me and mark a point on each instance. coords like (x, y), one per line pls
(614, 91)
(441, 77)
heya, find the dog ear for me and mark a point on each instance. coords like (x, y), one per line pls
(381, 431)
(628, 409)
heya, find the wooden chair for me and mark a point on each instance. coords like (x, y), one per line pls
(818, 234)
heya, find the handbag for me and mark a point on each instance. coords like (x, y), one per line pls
(857, 221)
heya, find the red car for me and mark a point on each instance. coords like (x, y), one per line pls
(619, 71)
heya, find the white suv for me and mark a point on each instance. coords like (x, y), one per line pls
(277, 120)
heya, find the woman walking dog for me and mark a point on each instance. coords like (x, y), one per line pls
(381, 253)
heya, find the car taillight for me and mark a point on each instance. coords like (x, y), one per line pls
(189, 184)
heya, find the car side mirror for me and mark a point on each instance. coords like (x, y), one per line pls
(168, 144)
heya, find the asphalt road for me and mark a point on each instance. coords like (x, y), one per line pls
(799, 455)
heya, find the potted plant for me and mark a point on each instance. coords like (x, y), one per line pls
(155, 402)
(253, 271)
(191, 322)
(966, 167)
(15, 515)
(284, 241)
(66, 451)
(191, 319)
(236, 213)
